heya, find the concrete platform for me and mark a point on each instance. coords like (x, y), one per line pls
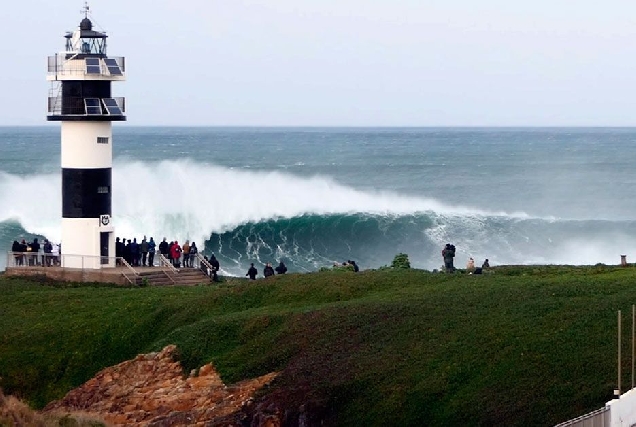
(107, 275)
(113, 275)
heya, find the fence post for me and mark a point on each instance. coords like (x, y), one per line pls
(633, 335)
(618, 390)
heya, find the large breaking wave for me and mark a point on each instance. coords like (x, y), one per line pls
(247, 216)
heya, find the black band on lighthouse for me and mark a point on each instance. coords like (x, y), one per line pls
(86, 193)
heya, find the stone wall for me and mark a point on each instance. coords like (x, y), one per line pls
(69, 274)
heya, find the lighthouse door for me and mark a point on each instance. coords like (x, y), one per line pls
(104, 239)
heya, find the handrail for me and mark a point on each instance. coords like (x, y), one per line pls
(74, 106)
(165, 262)
(134, 272)
(174, 282)
(580, 421)
(165, 265)
(205, 262)
(57, 64)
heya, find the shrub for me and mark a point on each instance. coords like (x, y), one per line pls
(401, 261)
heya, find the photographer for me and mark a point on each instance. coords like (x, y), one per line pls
(448, 253)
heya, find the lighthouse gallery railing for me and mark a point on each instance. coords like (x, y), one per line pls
(59, 65)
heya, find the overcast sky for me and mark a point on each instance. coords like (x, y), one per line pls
(341, 62)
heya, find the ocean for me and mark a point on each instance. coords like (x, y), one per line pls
(315, 196)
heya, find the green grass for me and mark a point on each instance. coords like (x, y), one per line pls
(523, 346)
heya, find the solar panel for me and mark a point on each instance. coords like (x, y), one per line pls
(112, 107)
(93, 107)
(113, 67)
(93, 66)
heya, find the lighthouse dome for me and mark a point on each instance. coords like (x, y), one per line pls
(86, 25)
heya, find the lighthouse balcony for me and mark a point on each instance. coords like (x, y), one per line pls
(90, 109)
(86, 68)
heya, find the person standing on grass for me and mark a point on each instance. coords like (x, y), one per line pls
(215, 267)
(268, 270)
(448, 253)
(252, 272)
(281, 268)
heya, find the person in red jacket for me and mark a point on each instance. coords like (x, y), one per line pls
(175, 251)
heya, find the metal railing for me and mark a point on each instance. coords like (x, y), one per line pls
(32, 259)
(599, 418)
(167, 264)
(76, 66)
(167, 268)
(135, 274)
(74, 106)
(41, 259)
(205, 263)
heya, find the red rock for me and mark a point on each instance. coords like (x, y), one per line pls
(151, 390)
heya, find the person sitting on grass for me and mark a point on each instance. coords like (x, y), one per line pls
(470, 266)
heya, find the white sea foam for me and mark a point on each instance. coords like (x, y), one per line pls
(184, 199)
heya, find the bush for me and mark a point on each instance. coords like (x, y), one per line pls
(401, 261)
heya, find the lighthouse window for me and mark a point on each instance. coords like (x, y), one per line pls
(102, 190)
(102, 140)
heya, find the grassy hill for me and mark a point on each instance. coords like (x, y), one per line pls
(522, 346)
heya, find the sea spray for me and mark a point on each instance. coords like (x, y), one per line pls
(261, 216)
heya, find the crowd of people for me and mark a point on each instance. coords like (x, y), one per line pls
(28, 253)
(142, 254)
(268, 270)
(448, 254)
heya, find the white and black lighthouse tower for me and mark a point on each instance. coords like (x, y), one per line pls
(81, 99)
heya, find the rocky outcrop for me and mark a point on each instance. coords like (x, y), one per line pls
(151, 390)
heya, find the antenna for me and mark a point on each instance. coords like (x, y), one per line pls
(86, 9)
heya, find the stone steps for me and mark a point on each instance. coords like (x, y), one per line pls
(185, 277)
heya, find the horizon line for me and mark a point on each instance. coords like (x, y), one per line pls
(349, 126)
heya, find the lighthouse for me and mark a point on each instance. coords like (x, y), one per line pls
(81, 99)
